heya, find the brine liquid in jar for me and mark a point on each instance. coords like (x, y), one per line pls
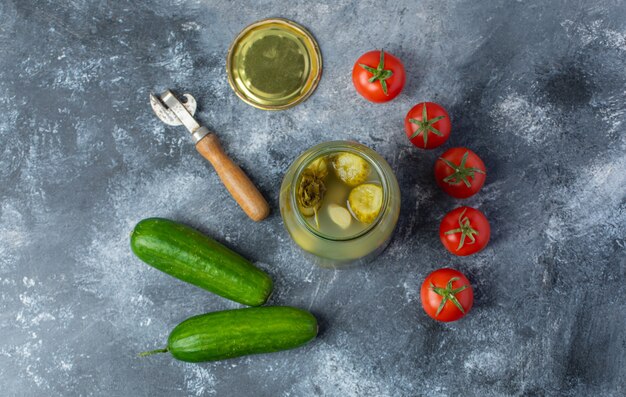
(339, 194)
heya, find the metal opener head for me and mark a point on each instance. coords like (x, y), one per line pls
(172, 111)
(167, 115)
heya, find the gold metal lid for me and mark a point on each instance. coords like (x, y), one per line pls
(274, 64)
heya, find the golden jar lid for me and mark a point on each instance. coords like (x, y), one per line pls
(274, 64)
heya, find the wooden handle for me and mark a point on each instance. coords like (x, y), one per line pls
(236, 181)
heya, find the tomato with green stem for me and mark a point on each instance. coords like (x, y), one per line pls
(464, 231)
(427, 125)
(446, 295)
(378, 76)
(460, 172)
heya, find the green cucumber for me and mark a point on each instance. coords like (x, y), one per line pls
(187, 254)
(234, 333)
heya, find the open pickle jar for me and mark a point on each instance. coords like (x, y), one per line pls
(340, 201)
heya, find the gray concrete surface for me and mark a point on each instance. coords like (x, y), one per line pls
(535, 88)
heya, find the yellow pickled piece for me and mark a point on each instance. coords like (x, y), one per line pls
(319, 167)
(366, 201)
(351, 169)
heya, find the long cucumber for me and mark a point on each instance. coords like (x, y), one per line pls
(188, 255)
(239, 332)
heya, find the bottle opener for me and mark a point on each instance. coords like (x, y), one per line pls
(173, 112)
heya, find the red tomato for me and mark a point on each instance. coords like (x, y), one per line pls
(378, 76)
(460, 172)
(446, 295)
(427, 125)
(464, 231)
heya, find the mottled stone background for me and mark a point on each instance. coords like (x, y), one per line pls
(536, 88)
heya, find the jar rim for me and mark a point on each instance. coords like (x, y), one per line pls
(326, 148)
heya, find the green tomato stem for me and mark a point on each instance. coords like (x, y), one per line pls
(448, 294)
(379, 73)
(466, 230)
(424, 126)
(461, 172)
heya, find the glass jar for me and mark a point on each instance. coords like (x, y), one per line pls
(332, 250)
